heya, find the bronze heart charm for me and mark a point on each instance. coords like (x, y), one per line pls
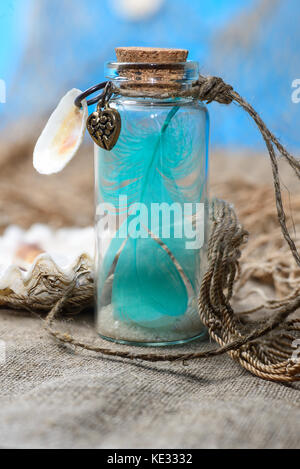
(105, 127)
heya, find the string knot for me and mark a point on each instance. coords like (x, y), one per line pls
(213, 89)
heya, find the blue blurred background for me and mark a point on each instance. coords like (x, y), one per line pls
(50, 46)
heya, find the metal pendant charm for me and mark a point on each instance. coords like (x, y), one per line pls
(104, 127)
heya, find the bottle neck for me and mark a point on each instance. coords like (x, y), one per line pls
(159, 81)
(153, 101)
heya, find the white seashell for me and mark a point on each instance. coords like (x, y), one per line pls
(62, 136)
(49, 261)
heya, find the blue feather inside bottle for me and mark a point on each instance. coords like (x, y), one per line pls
(151, 193)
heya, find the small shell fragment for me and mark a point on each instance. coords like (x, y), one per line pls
(62, 136)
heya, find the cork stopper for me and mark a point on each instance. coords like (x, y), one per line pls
(150, 55)
(151, 69)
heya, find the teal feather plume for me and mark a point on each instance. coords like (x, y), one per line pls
(153, 162)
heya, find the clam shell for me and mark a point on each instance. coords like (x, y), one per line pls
(62, 257)
(62, 136)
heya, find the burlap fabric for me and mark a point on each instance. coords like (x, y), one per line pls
(54, 397)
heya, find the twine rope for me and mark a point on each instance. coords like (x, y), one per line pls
(258, 351)
(265, 351)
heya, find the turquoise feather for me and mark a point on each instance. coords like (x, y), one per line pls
(153, 162)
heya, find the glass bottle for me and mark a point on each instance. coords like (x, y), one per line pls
(151, 207)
